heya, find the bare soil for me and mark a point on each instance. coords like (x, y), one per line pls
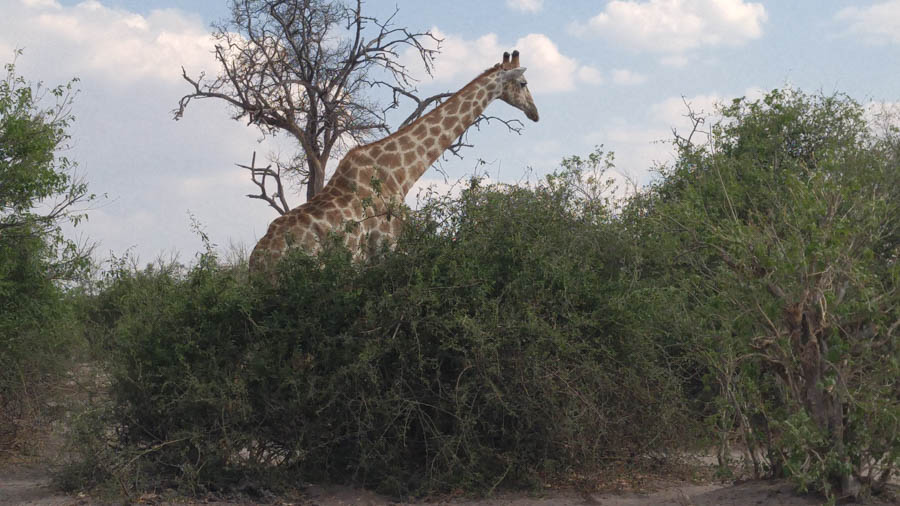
(28, 482)
(25, 484)
(26, 479)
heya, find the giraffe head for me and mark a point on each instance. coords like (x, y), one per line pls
(514, 86)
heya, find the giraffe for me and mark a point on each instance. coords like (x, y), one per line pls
(371, 181)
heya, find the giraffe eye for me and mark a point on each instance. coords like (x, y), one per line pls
(523, 84)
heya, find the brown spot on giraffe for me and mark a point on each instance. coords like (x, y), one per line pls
(343, 200)
(389, 160)
(406, 143)
(334, 215)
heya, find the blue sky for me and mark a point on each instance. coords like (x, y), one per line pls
(614, 73)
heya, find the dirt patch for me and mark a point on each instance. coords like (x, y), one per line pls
(29, 484)
(674, 493)
(27, 480)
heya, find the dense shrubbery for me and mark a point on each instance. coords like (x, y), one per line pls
(493, 344)
(517, 334)
(779, 241)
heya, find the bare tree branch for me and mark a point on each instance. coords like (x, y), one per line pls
(308, 69)
(299, 67)
(259, 176)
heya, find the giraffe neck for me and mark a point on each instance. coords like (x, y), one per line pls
(439, 129)
(401, 158)
(458, 113)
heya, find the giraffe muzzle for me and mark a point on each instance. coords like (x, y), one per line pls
(532, 113)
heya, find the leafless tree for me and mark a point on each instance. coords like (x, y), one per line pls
(309, 68)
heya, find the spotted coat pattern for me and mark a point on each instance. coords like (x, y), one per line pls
(362, 201)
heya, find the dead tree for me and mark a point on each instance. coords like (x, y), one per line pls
(309, 69)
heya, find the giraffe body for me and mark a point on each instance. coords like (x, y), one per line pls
(362, 199)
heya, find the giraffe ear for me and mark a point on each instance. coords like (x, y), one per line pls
(515, 73)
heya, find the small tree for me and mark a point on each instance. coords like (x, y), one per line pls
(308, 68)
(39, 189)
(780, 237)
(38, 192)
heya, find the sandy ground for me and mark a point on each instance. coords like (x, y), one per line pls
(27, 480)
(26, 485)
(29, 484)
(679, 494)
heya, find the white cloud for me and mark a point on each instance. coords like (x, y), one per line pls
(673, 27)
(6, 52)
(672, 112)
(547, 147)
(549, 71)
(426, 188)
(641, 145)
(882, 115)
(458, 56)
(626, 77)
(127, 146)
(590, 75)
(525, 5)
(637, 148)
(119, 45)
(214, 184)
(42, 3)
(876, 24)
(675, 60)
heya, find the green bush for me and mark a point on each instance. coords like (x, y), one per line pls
(520, 334)
(37, 326)
(34, 335)
(776, 244)
(491, 346)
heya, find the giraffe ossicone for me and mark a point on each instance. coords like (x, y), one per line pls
(362, 199)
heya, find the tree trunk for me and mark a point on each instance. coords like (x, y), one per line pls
(316, 178)
(823, 403)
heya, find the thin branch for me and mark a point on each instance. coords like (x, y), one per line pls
(307, 69)
(260, 177)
